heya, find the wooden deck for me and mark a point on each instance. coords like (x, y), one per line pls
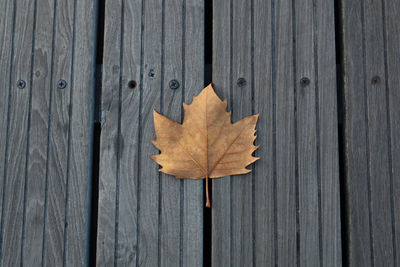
(80, 79)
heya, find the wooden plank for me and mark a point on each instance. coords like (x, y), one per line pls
(146, 218)
(170, 106)
(277, 218)
(237, 200)
(286, 199)
(392, 65)
(264, 194)
(127, 250)
(58, 135)
(331, 243)
(18, 133)
(81, 112)
(221, 72)
(109, 156)
(49, 136)
(192, 208)
(368, 136)
(7, 26)
(308, 169)
(34, 195)
(356, 161)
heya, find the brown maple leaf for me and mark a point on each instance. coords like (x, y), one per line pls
(206, 145)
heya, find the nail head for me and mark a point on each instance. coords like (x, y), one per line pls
(21, 84)
(305, 81)
(61, 84)
(152, 74)
(241, 82)
(375, 80)
(174, 84)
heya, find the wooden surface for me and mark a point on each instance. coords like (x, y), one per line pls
(287, 212)
(146, 218)
(45, 132)
(371, 86)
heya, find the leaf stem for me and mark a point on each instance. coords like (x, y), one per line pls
(208, 204)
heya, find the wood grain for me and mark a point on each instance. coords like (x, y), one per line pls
(18, 134)
(58, 135)
(307, 161)
(369, 134)
(34, 195)
(222, 81)
(7, 26)
(80, 111)
(264, 194)
(192, 213)
(276, 215)
(48, 151)
(331, 243)
(286, 180)
(391, 37)
(109, 157)
(146, 218)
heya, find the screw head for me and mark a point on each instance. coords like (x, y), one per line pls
(21, 84)
(174, 84)
(61, 84)
(304, 81)
(241, 82)
(152, 74)
(375, 80)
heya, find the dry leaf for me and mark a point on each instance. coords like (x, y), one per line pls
(206, 145)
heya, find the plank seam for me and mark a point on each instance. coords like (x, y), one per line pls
(253, 231)
(94, 93)
(343, 221)
(231, 104)
(161, 110)
(139, 135)
(181, 189)
(274, 166)
(297, 193)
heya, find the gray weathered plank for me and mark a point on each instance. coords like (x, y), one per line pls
(283, 79)
(148, 176)
(331, 250)
(7, 25)
(192, 206)
(34, 206)
(308, 171)
(392, 40)
(58, 135)
(146, 218)
(171, 106)
(18, 124)
(264, 198)
(48, 156)
(107, 221)
(370, 176)
(220, 201)
(287, 213)
(81, 112)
